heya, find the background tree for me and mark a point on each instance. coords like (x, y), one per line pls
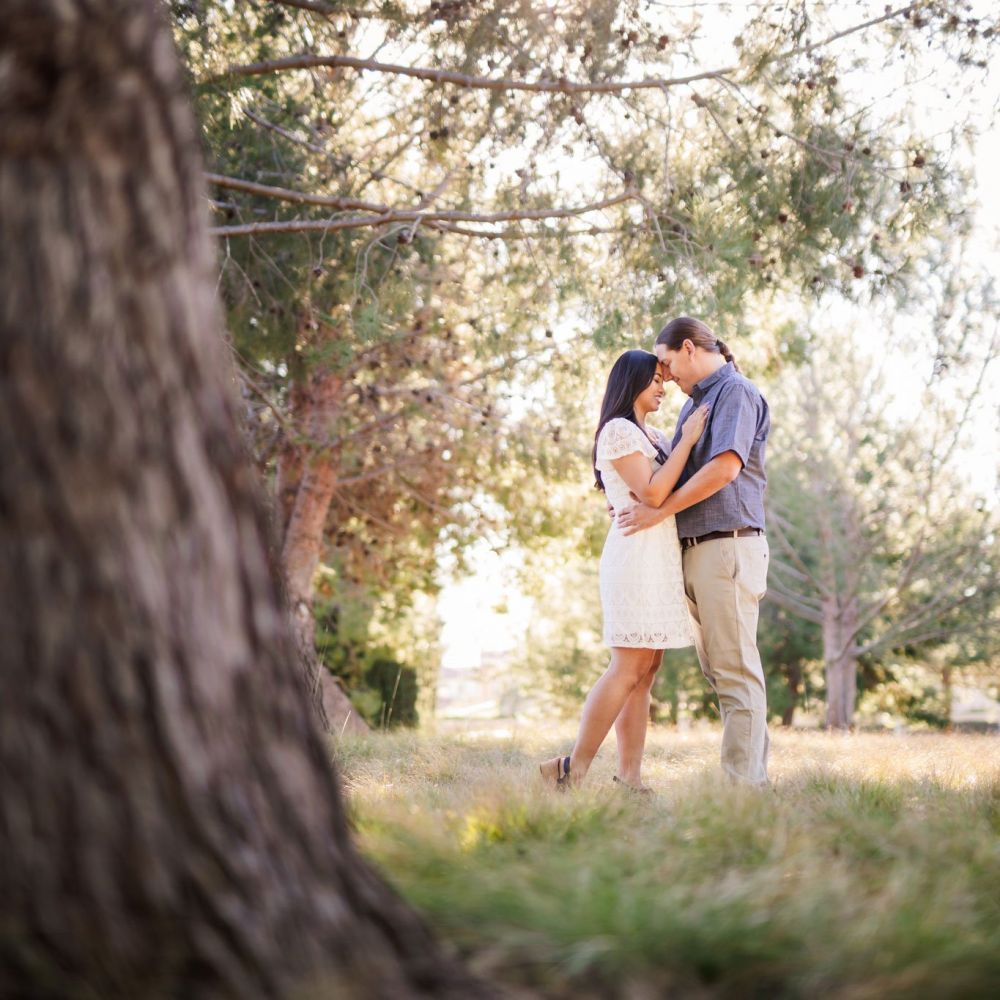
(170, 822)
(416, 198)
(877, 536)
(378, 381)
(884, 549)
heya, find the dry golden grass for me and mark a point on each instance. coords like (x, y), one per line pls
(871, 870)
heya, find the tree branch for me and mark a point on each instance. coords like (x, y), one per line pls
(264, 397)
(787, 570)
(806, 600)
(285, 133)
(940, 566)
(778, 529)
(404, 462)
(560, 85)
(902, 633)
(515, 234)
(307, 60)
(887, 16)
(920, 637)
(395, 215)
(425, 500)
(287, 194)
(326, 9)
(790, 604)
(316, 6)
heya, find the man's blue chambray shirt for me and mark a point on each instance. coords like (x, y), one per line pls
(738, 421)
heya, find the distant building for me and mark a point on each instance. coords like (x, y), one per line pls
(482, 691)
(975, 710)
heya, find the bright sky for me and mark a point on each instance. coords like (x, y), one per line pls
(487, 613)
(484, 613)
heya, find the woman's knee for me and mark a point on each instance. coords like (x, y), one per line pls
(633, 665)
(652, 668)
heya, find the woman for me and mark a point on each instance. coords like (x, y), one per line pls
(642, 587)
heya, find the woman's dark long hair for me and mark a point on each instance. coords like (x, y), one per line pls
(630, 374)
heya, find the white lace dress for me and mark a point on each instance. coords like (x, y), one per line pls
(642, 581)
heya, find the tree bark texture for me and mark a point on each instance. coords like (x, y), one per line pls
(170, 821)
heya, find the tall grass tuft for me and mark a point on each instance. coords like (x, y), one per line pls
(872, 869)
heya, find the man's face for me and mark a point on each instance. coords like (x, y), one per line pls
(677, 366)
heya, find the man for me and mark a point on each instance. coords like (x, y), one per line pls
(719, 505)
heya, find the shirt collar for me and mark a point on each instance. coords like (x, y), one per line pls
(719, 375)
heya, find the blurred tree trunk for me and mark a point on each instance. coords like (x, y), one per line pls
(317, 481)
(291, 485)
(307, 482)
(841, 662)
(289, 466)
(170, 822)
(793, 680)
(948, 692)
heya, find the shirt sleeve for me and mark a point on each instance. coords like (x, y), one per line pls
(734, 418)
(620, 437)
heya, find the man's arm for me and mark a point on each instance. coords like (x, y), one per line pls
(709, 479)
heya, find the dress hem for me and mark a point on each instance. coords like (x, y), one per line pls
(649, 645)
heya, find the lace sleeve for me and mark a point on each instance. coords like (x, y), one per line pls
(621, 437)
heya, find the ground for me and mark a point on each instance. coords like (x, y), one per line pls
(872, 869)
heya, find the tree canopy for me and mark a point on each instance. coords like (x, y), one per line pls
(437, 220)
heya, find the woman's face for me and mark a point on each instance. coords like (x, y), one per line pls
(648, 401)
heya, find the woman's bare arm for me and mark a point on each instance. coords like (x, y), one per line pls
(708, 480)
(654, 489)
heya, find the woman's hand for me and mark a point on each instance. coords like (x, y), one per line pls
(694, 425)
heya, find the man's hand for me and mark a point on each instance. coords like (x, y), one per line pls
(638, 518)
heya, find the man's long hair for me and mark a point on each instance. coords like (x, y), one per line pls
(629, 375)
(700, 334)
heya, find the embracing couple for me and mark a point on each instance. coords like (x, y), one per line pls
(685, 564)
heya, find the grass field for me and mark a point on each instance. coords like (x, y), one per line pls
(871, 870)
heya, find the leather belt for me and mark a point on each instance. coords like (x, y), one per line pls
(687, 543)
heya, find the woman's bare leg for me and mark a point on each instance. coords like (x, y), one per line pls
(603, 704)
(632, 723)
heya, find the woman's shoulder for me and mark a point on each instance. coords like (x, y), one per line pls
(620, 425)
(621, 436)
(620, 428)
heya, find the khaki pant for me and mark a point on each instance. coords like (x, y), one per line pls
(724, 580)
